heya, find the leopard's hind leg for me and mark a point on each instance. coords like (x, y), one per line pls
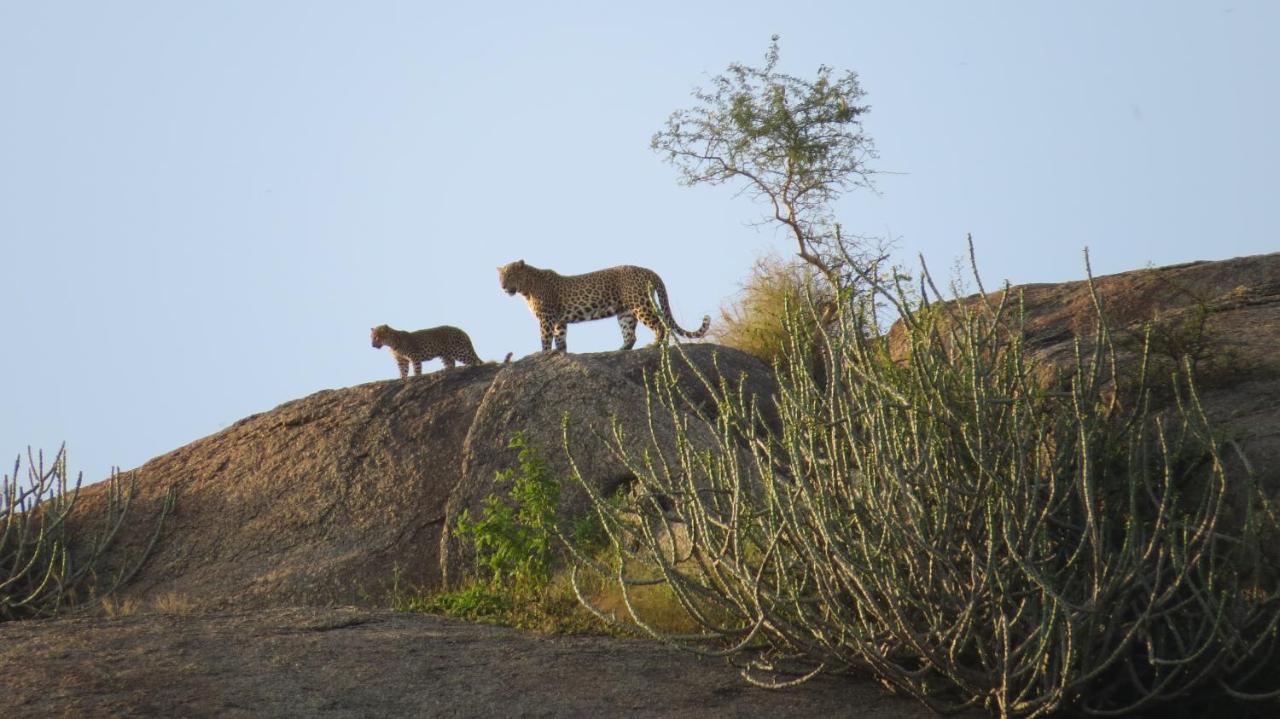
(627, 321)
(650, 319)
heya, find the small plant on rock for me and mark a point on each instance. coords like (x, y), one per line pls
(514, 540)
(518, 545)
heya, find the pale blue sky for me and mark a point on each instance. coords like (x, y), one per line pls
(205, 206)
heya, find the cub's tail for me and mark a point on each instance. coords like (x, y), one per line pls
(505, 361)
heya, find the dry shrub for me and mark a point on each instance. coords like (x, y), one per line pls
(654, 602)
(114, 607)
(754, 320)
(173, 603)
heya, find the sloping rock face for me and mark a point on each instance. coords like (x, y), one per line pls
(322, 499)
(1227, 313)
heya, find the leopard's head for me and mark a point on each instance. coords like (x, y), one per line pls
(509, 277)
(379, 334)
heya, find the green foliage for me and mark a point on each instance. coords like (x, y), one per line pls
(518, 544)
(796, 144)
(514, 540)
(475, 602)
(588, 534)
(944, 518)
(49, 561)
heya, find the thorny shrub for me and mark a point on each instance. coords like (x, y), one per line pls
(972, 535)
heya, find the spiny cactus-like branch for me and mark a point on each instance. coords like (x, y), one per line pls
(45, 564)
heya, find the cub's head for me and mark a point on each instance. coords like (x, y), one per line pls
(509, 276)
(380, 335)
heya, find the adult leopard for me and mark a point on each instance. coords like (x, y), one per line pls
(631, 293)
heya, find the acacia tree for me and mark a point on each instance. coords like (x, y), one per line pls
(796, 144)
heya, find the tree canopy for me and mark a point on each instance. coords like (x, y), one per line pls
(797, 144)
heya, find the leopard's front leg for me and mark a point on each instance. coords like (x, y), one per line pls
(545, 328)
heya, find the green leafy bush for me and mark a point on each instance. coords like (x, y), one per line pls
(513, 539)
(474, 602)
(941, 516)
(518, 544)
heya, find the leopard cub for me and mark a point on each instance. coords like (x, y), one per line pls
(448, 343)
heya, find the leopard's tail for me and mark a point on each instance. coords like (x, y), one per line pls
(665, 307)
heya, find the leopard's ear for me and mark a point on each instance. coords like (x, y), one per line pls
(520, 263)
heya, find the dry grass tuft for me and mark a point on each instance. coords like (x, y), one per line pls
(114, 607)
(173, 603)
(655, 604)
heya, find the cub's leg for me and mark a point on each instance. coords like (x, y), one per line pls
(627, 321)
(417, 367)
(403, 364)
(448, 362)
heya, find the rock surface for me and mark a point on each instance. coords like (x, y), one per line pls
(348, 662)
(320, 500)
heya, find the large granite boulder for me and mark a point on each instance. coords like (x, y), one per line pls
(321, 500)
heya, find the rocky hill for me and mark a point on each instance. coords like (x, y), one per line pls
(320, 500)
